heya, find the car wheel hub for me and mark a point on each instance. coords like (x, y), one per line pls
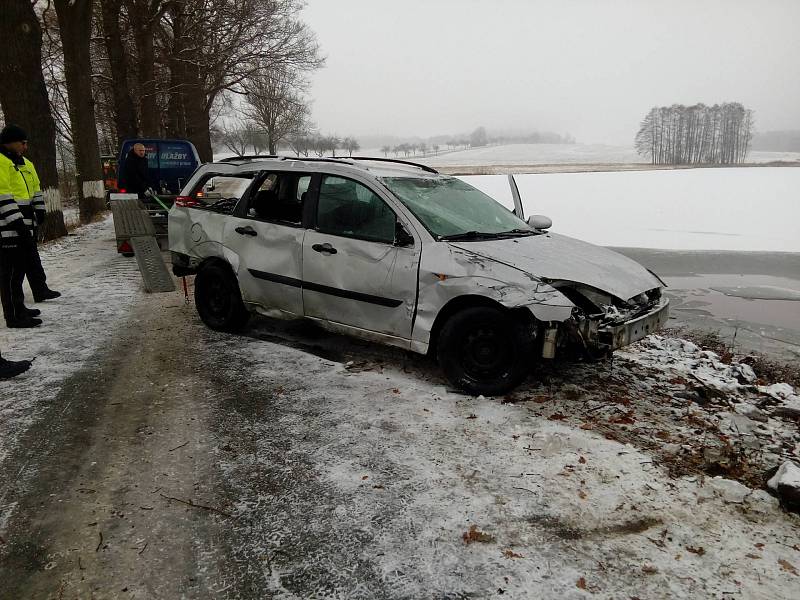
(483, 353)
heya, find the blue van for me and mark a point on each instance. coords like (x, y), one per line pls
(170, 162)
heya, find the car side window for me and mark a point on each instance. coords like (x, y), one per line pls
(350, 209)
(221, 192)
(279, 198)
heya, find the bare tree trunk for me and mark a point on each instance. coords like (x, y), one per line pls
(148, 107)
(124, 109)
(75, 25)
(176, 116)
(28, 105)
(197, 121)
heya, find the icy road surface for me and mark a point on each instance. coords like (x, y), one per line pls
(145, 456)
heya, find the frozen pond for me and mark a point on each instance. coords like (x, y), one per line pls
(740, 209)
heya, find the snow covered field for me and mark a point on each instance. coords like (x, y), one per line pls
(533, 154)
(742, 209)
(739, 209)
(529, 154)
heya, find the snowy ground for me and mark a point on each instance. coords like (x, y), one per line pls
(338, 469)
(101, 291)
(589, 480)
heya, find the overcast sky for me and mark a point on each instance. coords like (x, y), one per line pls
(591, 68)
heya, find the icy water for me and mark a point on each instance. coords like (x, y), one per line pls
(762, 299)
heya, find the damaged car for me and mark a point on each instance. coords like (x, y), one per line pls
(397, 253)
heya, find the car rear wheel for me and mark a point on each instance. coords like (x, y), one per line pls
(218, 299)
(483, 350)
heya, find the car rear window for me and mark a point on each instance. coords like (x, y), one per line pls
(215, 188)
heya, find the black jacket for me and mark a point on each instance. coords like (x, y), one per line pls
(134, 177)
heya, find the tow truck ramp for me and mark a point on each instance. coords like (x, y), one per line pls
(133, 224)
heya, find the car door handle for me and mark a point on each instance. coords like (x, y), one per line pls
(246, 230)
(324, 248)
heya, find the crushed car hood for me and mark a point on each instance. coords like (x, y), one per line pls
(554, 257)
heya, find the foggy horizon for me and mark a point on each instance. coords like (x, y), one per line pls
(590, 70)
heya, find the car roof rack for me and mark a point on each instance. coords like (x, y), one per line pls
(331, 159)
(394, 160)
(249, 157)
(347, 160)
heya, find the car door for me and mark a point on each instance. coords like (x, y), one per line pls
(266, 233)
(355, 273)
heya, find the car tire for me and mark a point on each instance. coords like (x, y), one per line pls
(484, 351)
(218, 299)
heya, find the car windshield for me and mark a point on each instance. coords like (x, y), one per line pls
(452, 209)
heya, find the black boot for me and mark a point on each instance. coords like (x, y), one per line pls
(23, 323)
(47, 294)
(12, 368)
(30, 312)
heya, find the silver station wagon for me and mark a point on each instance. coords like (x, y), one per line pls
(399, 254)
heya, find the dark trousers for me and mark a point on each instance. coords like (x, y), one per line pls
(32, 263)
(12, 274)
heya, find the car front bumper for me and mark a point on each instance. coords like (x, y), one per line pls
(612, 337)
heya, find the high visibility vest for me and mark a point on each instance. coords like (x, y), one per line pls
(21, 191)
(34, 187)
(10, 213)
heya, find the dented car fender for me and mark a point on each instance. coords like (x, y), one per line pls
(448, 273)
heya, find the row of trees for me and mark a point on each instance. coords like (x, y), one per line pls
(85, 74)
(698, 134)
(410, 149)
(320, 145)
(480, 137)
(242, 137)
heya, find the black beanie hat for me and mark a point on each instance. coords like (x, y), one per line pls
(12, 133)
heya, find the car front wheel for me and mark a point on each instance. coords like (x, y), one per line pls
(218, 299)
(483, 350)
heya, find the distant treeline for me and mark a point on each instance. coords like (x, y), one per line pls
(477, 139)
(474, 139)
(698, 134)
(536, 137)
(777, 141)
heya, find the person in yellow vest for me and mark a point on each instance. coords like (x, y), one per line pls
(34, 271)
(16, 231)
(28, 196)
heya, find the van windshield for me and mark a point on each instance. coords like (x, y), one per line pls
(452, 209)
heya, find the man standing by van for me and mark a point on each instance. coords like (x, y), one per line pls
(134, 176)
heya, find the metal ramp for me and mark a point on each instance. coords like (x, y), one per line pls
(133, 224)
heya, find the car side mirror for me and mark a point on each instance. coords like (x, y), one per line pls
(540, 222)
(402, 238)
